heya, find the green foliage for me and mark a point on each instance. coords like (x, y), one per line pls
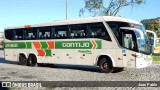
(152, 24)
(156, 58)
(98, 8)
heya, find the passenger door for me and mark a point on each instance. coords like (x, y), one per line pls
(129, 54)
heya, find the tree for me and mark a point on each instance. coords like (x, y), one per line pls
(152, 24)
(98, 8)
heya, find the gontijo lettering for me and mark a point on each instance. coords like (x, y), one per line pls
(86, 44)
(75, 44)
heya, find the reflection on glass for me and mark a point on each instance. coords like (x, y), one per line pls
(144, 45)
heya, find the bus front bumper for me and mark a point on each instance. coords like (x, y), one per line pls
(143, 62)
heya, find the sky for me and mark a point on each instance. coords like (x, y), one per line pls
(28, 12)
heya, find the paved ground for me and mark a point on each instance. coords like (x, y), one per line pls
(10, 71)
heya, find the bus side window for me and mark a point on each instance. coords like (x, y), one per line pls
(45, 33)
(98, 30)
(61, 32)
(78, 31)
(31, 34)
(72, 35)
(18, 34)
(9, 34)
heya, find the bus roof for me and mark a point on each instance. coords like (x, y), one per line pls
(79, 21)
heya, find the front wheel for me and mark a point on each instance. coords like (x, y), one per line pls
(105, 66)
(32, 61)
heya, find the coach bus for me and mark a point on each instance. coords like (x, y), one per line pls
(110, 43)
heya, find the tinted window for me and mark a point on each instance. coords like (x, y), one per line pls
(61, 32)
(115, 27)
(126, 38)
(9, 34)
(31, 34)
(45, 33)
(18, 34)
(98, 30)
(78, 31)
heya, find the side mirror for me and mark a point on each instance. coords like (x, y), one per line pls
(154, 34)
(134, 29)
(151, 41)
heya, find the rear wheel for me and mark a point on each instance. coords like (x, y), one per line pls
(22, 60)
(32, 61)
(105, 66)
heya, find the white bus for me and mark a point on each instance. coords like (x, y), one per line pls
(110, 43)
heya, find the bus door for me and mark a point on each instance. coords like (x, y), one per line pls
(129, 45)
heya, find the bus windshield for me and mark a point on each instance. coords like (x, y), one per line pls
(144, 45)
(130, 39)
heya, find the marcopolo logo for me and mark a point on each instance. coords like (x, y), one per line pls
(85, 51)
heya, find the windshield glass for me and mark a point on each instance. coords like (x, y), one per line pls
(125, 38)
(143, 44)
(130, 39)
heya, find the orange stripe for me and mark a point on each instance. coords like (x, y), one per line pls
(37, 45)
(41, 52)
(94, 44)
(50, 45)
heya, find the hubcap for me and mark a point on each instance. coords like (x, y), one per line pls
(22, 60)
(105, 65)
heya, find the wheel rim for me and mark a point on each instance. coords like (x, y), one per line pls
(105, 66)
(22, 60)
(32, 61)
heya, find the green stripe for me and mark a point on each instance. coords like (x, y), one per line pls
(58, 45)
(48, 52)
(44, 45)
(99, 43)
(17, 45)
(76, 44)
(29, 45)
(73, 45)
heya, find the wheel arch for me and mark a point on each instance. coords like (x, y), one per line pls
(105, 56)
(33, 54)
(23, 54)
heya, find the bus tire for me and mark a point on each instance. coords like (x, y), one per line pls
(105, 66)
(22, 59)
(32, 61)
